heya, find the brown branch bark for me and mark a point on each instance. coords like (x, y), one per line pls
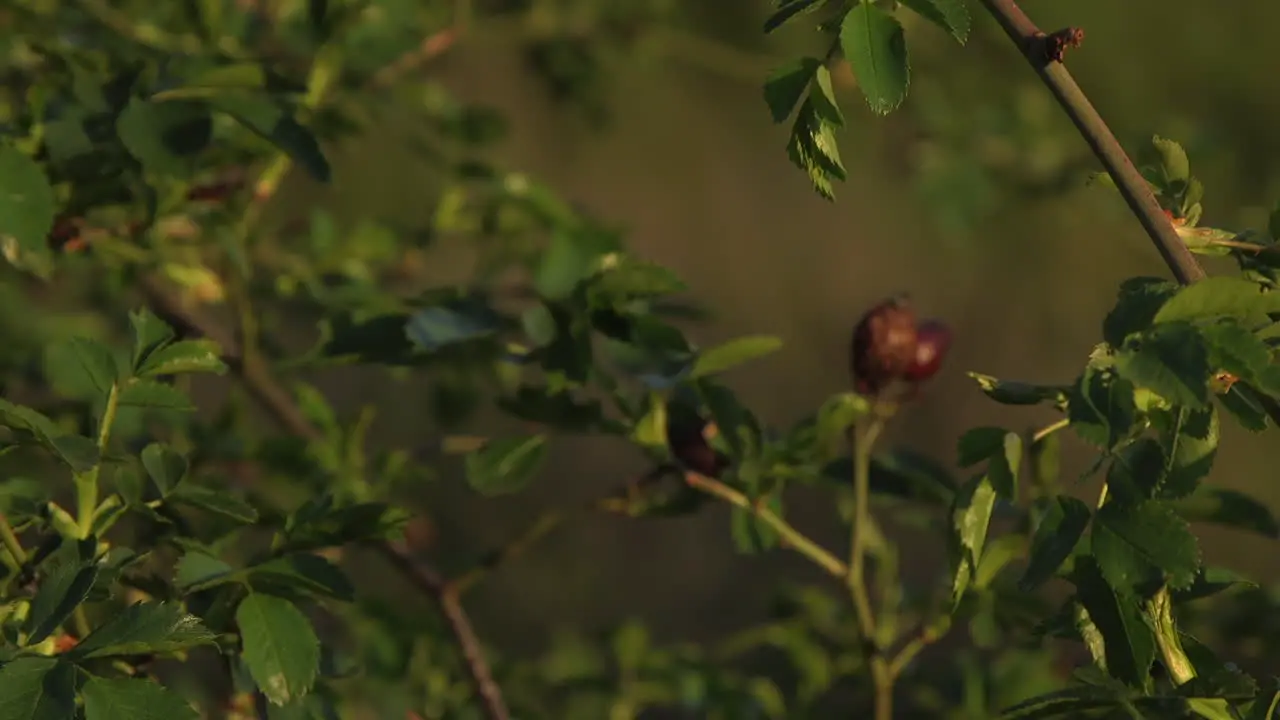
(1044, 53)
(256, 377)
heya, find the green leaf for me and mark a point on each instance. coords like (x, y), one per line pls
(304, 571)
(574, 255)
(1171, 361)
(219, 502)
(787, 84)
(735, 352)
(81, 367)
(27, 204)
(66, 586)
(197, 571)
(210, 83)
(1129, 642)
(970, 517)
(166, 467)
(1007, 392)
(1170, 158)
(560, 410)
(317, 524)
(280, 647)
(950, 15)
(1211, 581)
(906, 474)
(1002, 448)
(506, 465)
(143, 629)
(876, 48)
(164, 137)
(273, 123)
(150, 333)
(440, 326)
(1136, 306)
(1216, 297)
(153, 395)
(978, 444)
(1062, 523)
(1229, 508)
(1190, 446)
(788, 9)
(1070, 702)
(1101, 407)
(813, 148)
(133, 699)
(1130, 542)
(37, 688)
(184, 356)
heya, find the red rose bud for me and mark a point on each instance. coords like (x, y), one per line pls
(933, 340)
(688, 440)
(884, 345)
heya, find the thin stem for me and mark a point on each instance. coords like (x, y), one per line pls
(881, 674)
(928, 635)
(1050, 429)
(87, 482)
(10, 540)
(540, 528)
(1160, 610)
(789, 536)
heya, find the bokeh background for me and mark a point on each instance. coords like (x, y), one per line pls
(973, 197)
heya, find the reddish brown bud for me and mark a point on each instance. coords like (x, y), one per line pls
(884, 345)
(933, 340)
(688, 439)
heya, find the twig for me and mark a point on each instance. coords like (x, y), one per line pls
(1044, 53)
(789, 536)
(864, 440)
(257, 378)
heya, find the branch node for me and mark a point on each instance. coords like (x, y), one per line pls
(1057, 44)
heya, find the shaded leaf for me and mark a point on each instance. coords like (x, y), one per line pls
(786, 85)
(1218, 296)
(133, 699)
(306, 572)
(1129, 642)
(1008, 392)
(273, 123)
(1061, 525)
(165, 466)
(1230, 508)
(505, 465)
(220, 502)
(65, 587)
(144, 628)
(37, 688)
(153, 395)
(27, 204)
(950, 15)
(970, 517)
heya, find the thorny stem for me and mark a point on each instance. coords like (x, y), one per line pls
(882, 677)
(1036, 47)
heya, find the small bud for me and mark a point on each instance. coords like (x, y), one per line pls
(884, 346)
(933, 340)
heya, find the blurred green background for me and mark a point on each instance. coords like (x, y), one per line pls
(972, 197)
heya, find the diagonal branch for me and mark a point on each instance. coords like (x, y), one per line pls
(1044, 53)
(256, 377)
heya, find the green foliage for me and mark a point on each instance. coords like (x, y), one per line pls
(149, 542)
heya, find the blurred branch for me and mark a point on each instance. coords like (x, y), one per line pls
(1044, 53)
(257, 378)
